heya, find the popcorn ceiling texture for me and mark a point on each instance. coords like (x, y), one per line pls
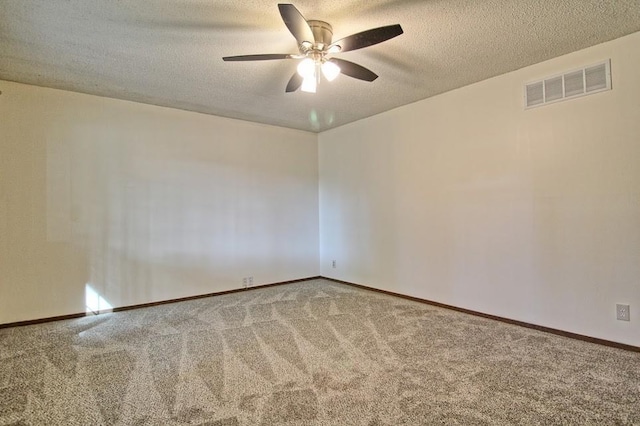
(309, 353)
(168, 52)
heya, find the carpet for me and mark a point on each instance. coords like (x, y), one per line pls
(308, 353)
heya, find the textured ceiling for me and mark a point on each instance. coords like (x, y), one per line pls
(168, 52)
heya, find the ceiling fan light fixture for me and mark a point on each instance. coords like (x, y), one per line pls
(307, 69)
(330, 70)
(314, 41)
(309, 84)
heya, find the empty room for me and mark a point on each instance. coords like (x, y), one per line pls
(347, 212)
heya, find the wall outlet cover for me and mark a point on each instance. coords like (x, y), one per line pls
(622, 312)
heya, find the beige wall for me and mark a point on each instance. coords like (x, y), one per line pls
(145, 203)
(469, 200)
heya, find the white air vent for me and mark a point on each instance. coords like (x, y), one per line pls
(572, 84)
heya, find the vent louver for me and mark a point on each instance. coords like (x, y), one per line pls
(574, 84)
(596, 78)
(569, 85)
(535, 94)
(553, 89)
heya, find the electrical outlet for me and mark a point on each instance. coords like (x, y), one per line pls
(250, 281)
(245, 282)
(622, 312)
(333, 264)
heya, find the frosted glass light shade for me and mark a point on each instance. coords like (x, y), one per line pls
(307, 68)
(330, 70)
(309, 84)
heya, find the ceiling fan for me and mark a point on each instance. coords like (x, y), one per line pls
(315, 49)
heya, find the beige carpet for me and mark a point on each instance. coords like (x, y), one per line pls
(308, 353)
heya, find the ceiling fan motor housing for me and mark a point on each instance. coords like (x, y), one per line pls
(322, 32)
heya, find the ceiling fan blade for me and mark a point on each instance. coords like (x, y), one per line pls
(265, 57)
(294, 83)
(296, 23)
(368, 38)
(354, 70)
